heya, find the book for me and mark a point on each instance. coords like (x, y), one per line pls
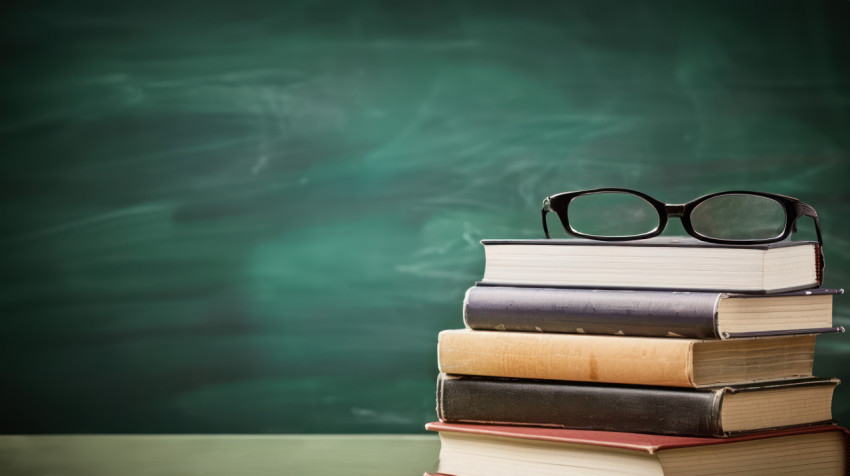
(626, 360)
(658, 263)
(490, 450)
(707, 412)
(698, 315)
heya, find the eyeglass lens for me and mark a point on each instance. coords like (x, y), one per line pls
(612, 214)
(739, 217)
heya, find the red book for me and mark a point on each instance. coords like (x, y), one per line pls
(493, 450)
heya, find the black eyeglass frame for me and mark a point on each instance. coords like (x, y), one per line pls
(794, 209)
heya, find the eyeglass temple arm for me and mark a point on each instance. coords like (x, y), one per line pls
(817, 229)
(808, 210)
(543, 212)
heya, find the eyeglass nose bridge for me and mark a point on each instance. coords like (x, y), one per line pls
(674, 210)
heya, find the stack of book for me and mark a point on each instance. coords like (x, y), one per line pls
(661, 356)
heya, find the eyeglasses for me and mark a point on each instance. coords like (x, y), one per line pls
(736, 217)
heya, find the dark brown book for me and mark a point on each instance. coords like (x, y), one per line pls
(697, 315)
(707, 412)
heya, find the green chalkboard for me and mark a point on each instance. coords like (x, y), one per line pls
(255, 216)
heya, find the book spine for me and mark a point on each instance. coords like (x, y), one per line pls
(586, 358)
(666, 411)
(586, 311)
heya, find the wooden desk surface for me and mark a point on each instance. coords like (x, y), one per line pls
(149, 455)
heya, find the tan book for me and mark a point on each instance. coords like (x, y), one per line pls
(625, 360)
